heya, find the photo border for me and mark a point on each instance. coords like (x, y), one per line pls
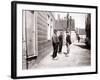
(14, 38)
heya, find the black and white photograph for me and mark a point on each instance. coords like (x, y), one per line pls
(54, 39)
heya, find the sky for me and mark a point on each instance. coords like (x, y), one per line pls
(78, 17)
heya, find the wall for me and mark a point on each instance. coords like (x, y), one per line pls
(44, 46)
(28, 39)
(51, 25)
(35, 37)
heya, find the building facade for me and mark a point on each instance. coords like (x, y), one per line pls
(37, 32)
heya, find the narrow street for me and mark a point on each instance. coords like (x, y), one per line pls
(78, 56)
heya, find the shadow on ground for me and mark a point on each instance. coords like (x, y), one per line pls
(82, 46)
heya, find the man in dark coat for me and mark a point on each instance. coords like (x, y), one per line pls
(55, 42)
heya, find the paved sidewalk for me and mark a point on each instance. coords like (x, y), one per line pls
(78, 56)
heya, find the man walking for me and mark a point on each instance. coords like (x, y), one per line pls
(55, 43)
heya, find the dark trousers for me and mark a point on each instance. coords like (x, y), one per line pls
(55, 49)
(60, 46)
(68, 49)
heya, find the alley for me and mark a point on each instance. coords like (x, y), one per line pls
(78, 56)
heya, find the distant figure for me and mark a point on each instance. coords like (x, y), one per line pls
(60, 42)
(78, 37)
(68, 42)
(55, 42)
